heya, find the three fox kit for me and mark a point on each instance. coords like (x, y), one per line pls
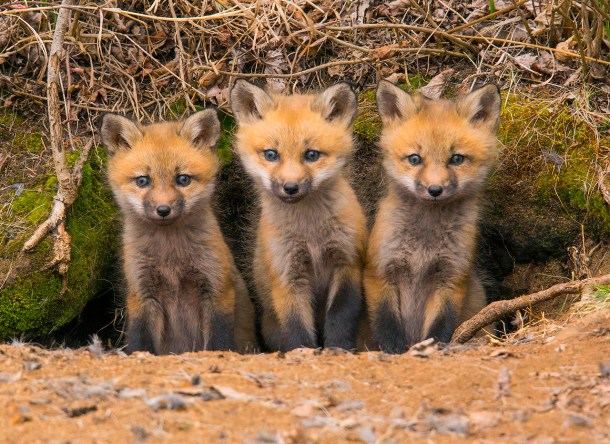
(184, 292)
(311, 232)
(420, 280)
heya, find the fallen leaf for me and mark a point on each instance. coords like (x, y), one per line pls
(434, 89)
(526, 60)
(564, 49)
(383, 52)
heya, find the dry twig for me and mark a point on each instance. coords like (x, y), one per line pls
(497, 310)
(68, 181)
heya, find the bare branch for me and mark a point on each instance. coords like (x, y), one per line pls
(497, 310)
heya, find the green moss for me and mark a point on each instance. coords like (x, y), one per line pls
(368, 124)
(177, 109)
(31, 142)
(51, 184)
(20, 137)
(223, 150)
(555, 155)
(34, 205)
(33, 303)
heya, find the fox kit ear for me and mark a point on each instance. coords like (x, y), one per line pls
(394, 103)
(119, 132)
(337, 104)
(202, 129)
(481, 107)
(249, 102)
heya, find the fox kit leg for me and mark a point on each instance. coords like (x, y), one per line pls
(219, 320)
(293, 306)
(245, 334)
(384, 313)
(144, 326)
(343, 310)
(442, 311)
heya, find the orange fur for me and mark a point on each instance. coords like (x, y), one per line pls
(420, 278)
(184, 291)
(310, 243)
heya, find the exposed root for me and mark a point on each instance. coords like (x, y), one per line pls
(497, 310)
(68, 181)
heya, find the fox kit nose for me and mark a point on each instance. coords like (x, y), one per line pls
(291, 188)
(435, 190)
(163, 210)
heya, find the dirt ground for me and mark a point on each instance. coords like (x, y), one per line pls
(549, 384)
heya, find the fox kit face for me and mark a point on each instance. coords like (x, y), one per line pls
(438, 150)
(293, 145)
(165, 171)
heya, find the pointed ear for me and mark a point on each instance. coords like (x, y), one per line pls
(119, 132)
(394, 103)
(248, 102)
(337, 104)
(202, 129)
(481, 107)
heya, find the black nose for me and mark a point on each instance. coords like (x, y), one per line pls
(291, 188)
(435, 190)
(163, 210)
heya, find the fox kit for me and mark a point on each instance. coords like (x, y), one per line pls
(311, 233)
(184, 292)
(420, 280)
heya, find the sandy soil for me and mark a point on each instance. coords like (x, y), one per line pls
(548, 386)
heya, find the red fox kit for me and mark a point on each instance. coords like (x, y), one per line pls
(420, 280)
(311, 233)
(183, 290)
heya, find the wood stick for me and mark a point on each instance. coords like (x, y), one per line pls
(497, 310)
(68, 181)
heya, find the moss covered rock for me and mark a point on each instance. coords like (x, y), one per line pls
(32, 298)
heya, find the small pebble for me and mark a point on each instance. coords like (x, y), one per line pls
(167, 402)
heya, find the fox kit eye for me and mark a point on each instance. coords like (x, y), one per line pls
(311, 155)
(142, 181)
(271, 155)
(183, 180)
(414, 159)
(456, 159)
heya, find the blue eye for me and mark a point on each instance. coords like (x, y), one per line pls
(271, 155)
(311, 155)
(183, 180)
(414, 159)
(142, 181)
(456, 159)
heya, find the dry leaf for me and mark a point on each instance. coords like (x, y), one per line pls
(526, 60)
(434, 89)
(394, 8)
(566, 47)
(384, 52)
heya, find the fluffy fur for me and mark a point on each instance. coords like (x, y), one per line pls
(311, 233)
(420, 280)
(183, 290)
